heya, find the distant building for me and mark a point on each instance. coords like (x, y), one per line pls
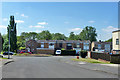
(101, 46)
(49, 46)
(116, 41)
(0, 42)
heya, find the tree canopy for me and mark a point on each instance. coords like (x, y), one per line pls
(88, 33)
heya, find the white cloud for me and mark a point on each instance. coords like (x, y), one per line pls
(42, 23)
(91, 21)
(37, 26)
(5, 19)
(24, 15)
(76, 29)
(3, 27)
(109, 29)
(19, 21)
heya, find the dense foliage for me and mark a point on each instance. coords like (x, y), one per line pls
(13, 34)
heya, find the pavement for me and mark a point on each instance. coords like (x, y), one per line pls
(52, 67)
(107, 68)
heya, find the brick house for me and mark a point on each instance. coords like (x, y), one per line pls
(101, 46)
(49, 46)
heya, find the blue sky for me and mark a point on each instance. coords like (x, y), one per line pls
(62, 17)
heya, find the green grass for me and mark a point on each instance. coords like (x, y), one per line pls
(90, 61)
(3, 58)
(27, 54)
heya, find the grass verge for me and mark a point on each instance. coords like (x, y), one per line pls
(3, 58)
(89, 60)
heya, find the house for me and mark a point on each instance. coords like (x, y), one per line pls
(0, 43)
(49, 46)
(116, 42)
(101, 46)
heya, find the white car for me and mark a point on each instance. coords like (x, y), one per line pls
(58, 51)
(1, 56)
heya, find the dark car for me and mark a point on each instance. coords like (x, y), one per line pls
(6, 53)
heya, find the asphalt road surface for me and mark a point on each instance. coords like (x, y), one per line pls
(48, 67)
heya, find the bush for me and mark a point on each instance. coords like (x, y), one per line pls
(22, 48)
(83, 53)
(2, 52)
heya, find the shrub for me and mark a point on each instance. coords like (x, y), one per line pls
(2, 52)
(22, 48)
(83, 53)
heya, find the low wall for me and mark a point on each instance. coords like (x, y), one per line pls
(114, 58)
(102, 56)
(45, 51)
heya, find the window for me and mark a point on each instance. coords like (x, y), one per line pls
(51, 45)
(99, 46)
(42, 44)
(69, 46)
(107, 47)
(78, 45)
(117, 41)
(86, 46)
(60, 45)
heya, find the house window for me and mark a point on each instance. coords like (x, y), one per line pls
(99, 46)
(107, 47)
(69, 46)
(60, 45)
(78, 45)
(117, 41)
(86, 46)
(51, 45)
(42, 44)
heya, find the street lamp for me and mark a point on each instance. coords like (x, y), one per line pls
(9, 41)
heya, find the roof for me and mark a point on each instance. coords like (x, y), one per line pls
(64, 41)
(102, 42)
(116, 31)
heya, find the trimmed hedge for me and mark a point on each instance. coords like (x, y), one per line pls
(68, 52)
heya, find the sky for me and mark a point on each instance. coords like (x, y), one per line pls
(62, 17)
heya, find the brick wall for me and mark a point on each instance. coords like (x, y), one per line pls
(45, 51)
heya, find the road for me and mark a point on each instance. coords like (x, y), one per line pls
(48, 67)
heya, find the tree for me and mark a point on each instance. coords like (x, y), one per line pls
(109, 40)
(72, 36)
(20, 42)
(44, 35)
(88, 33)
(13, 34)
(5, 43)
(58, 36)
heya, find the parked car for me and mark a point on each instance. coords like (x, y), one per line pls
(24, 51)
(1, 55)
(6, 53)
(58, 51)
